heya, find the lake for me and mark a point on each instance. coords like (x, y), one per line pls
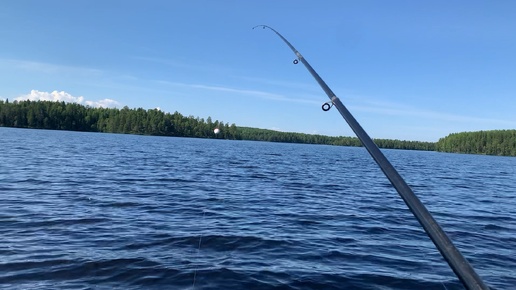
(110, 211)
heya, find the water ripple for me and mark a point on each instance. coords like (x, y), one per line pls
(111, 211)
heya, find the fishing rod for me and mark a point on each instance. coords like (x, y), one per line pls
(464, 271)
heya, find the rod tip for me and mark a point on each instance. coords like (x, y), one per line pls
(262, 26)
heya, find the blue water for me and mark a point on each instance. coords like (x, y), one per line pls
(109, 211)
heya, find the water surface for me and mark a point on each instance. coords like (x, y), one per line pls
(110, 211)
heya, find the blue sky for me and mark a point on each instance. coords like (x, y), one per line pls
(413, 70)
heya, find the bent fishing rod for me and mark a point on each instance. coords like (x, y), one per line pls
(460, 266)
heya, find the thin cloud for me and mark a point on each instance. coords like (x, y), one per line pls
(179, 64)
(295, 85)
(362, 104)
(63, 96)
(385, 108)
(49, 68)
(394, 109)
(163, 61)
(255, 93)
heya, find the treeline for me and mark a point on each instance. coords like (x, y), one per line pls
(495, 142)
(255, 134)
(76, 117)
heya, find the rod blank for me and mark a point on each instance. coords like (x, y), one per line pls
(460, 266)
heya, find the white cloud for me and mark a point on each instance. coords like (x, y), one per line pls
(105, 103)
(54, 96)
(63, 96)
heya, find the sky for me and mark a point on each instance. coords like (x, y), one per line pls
(409, 70)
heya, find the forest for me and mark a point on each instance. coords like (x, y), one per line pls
(493, 142)
(76, 117)
(246, 133)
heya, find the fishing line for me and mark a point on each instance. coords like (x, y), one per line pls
(457, 262)
(198, 249)
(433, 270)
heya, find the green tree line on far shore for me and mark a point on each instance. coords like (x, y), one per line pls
(493, 142)
(255, 134)
(76, 117)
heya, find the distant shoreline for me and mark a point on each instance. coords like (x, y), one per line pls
(76, 117)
